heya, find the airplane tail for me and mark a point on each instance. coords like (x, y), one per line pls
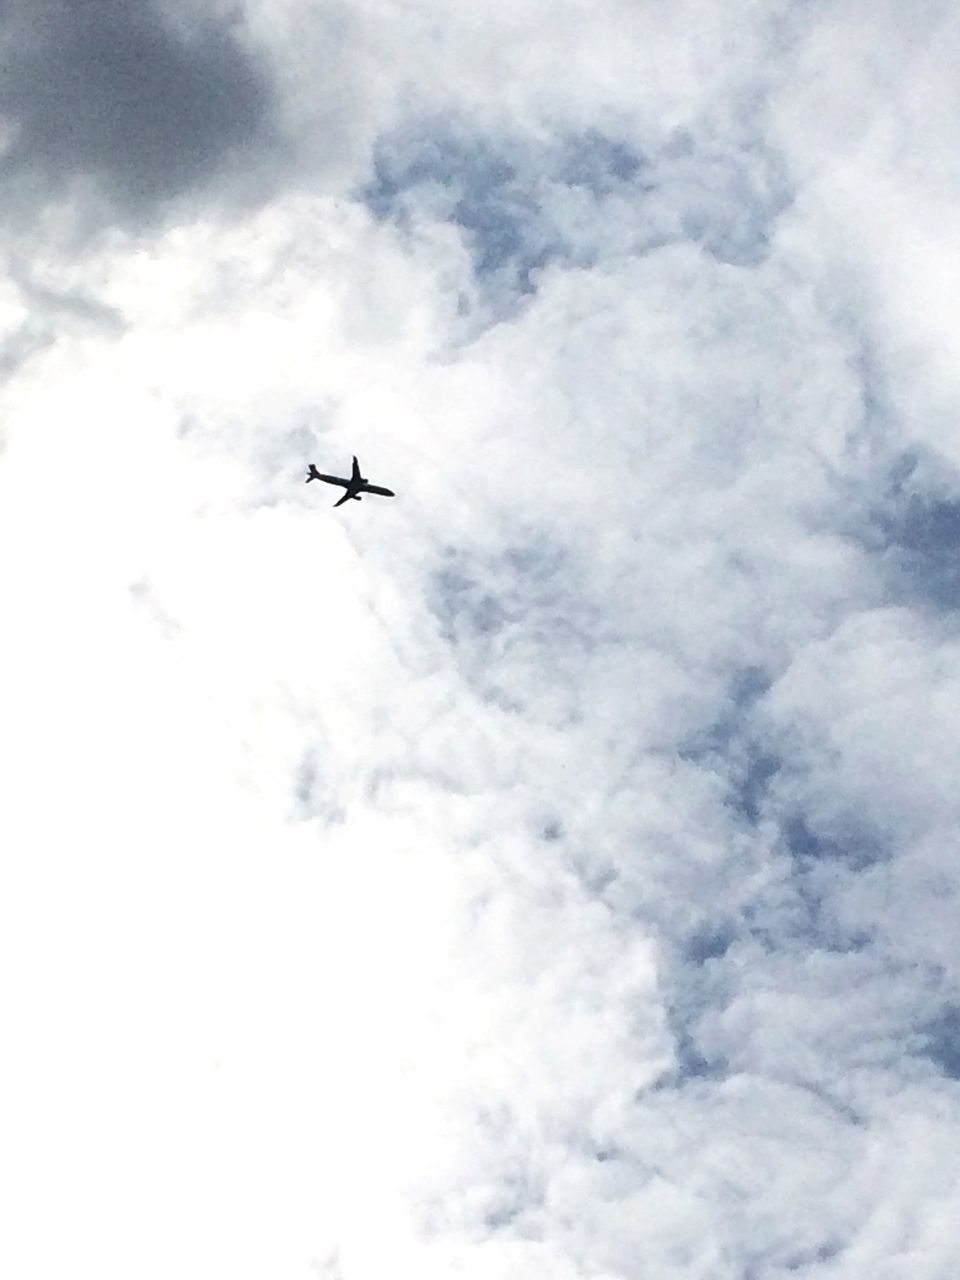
(312, 473)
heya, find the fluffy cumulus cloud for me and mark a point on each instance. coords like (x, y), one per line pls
(552, 871)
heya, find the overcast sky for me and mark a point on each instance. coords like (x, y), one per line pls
(551, 873)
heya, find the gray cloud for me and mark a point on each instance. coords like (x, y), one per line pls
(921, 548)
(575, 199)
(117, 96)
(943, 1044)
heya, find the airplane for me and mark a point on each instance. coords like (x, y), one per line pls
(356, 485)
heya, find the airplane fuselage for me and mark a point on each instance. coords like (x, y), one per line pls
(355, 486)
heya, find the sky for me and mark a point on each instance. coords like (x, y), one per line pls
(550, 873)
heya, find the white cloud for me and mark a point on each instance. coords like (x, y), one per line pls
(548, 872)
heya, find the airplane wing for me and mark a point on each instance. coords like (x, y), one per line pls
(375, 488)
(356, 469)
(346, 498)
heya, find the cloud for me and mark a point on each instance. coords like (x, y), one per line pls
(122, 99)
(522, 204)
(549, 872)
(922, 539)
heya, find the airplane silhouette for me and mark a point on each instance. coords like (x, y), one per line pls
(356, 485)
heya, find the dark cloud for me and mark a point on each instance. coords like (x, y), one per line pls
(111, 94)
(906, 514)
(488, 191)
(709, 943)
(856, 848)
(728, 201)
(695, 985)
(752, 781)
(922, 549)
(523, 204)
(943, 1041)
(599, 163)
(690, 1064)
(727, 744)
